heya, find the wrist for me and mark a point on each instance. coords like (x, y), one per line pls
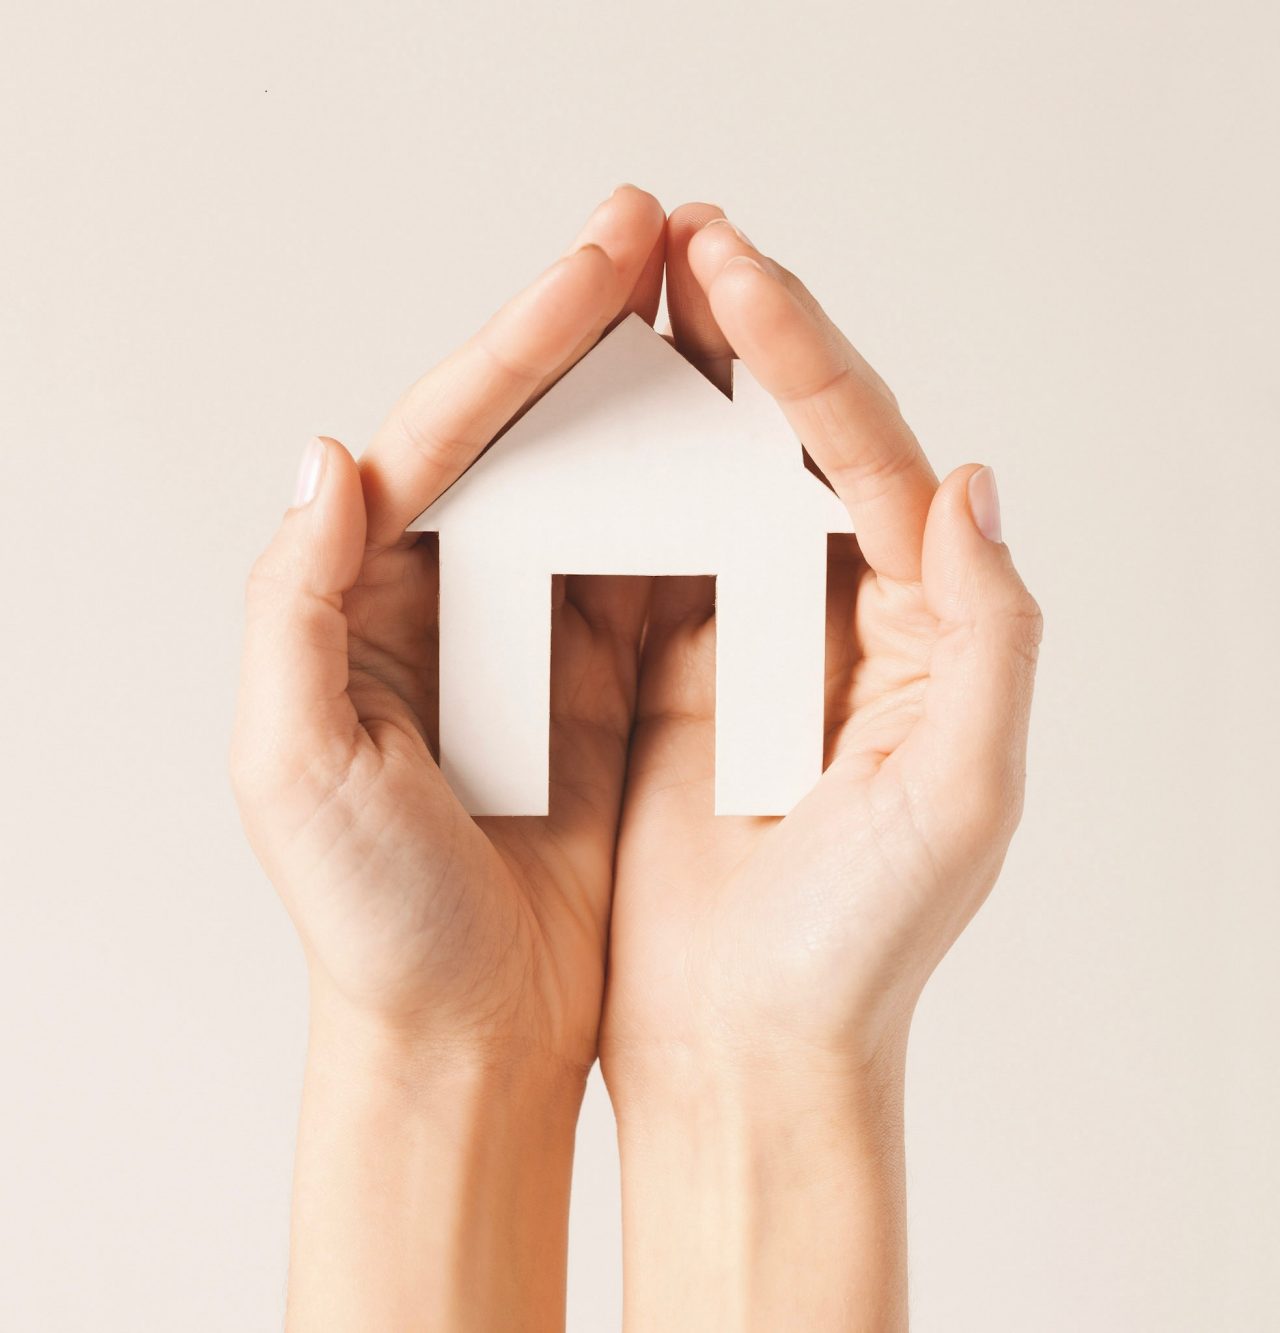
(736, 1178)
(432, 1182)
(647, 1079)
(733, 1110)
(416, 1060)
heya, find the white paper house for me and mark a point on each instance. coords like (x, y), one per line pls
(633, 463)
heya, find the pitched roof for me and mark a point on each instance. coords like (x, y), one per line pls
(640, 430)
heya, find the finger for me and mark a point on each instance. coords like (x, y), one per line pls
(293, 715)
(840, 408)
(646, 295)
(617, 605)
(698, 338)
(670, 791)
(614, 605)
(592, 705)
(447, 418)
(695, 332)
(631, 229)
(675, 707)
(971, 740)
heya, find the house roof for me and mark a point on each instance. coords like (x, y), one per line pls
(635, 436)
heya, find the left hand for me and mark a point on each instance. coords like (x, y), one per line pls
(456, 965)
(483, 937)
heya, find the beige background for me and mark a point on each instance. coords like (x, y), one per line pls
(1051, 226)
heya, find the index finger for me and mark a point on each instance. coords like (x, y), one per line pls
(444, 421)
(840, 408)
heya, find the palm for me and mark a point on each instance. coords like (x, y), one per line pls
(729, 924)
(412, 904)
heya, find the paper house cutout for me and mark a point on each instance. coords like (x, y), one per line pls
(633, 463)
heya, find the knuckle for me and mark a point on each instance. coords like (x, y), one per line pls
(1031, 615)
(818, 389)
(434, 451)
(878, 449)
(509, 364)
(1030, 622)
(1022, 626)
(264, 579)
(878, 471)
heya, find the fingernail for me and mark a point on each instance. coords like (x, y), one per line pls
(745, 261)
(737, 231)
(984, 503)
(309, 470)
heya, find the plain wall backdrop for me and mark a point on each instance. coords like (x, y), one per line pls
(1051, 227)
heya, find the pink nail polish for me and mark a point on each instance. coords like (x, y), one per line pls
(309, 471)
(984, 503)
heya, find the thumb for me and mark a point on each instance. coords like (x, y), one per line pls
(294, 716)
(971, 742)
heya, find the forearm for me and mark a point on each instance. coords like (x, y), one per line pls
(770, 1201)
(431, 1188)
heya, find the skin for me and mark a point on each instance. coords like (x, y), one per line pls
(761, 972)
(457, 965)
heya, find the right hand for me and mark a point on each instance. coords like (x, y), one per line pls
(782, 943)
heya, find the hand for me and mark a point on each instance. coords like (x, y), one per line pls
(763, 972)
(484, 934)
(452, 960)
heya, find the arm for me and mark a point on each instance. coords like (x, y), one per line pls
(431, 1190)
(765, 1201)
(456, 965)
(763, 972)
